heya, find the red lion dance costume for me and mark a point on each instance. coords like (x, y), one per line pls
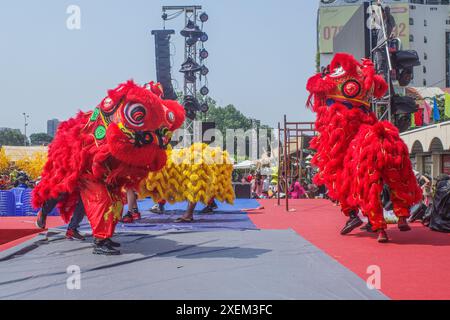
(356, 153)
(98, 154)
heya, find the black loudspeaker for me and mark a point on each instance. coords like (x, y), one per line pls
(403, 105)
(162, 53)
(404, 62)
(205, 127)
(242, 190)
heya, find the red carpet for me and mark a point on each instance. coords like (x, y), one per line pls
(15, 230)
(413, 266)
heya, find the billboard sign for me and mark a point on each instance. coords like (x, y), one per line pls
(331, 20)
(333, 15)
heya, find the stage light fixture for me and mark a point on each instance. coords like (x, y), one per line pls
(204, 17)
(204, 37)
(204, 107)
(204, 71)
(204, 54)
(404, 62)
(191, 103)
(191, 31)
(191, 115)
(190, 66)
(204, 91)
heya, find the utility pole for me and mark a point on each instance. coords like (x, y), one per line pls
(25, 117)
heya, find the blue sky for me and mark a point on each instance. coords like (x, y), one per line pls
(261, 54)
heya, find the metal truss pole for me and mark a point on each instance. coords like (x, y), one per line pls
(385, 101)
(190, 13)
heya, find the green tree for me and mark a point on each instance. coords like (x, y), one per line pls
(11, 137)
(39, 139)
(228, 117)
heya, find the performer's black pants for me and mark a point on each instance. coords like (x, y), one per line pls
(77, 216)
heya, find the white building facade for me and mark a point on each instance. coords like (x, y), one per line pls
(429, 148)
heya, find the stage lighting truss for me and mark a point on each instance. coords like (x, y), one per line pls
(194, 67)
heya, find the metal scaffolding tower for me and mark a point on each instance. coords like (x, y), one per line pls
(291, 155)
(382, 107)
(190, 51)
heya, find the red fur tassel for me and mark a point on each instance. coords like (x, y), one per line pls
(346, 61)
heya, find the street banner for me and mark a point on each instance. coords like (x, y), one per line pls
(447, 104)
(436, 115)
(426, 113)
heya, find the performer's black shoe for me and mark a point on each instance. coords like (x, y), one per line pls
(353, 222)
(74, 235)
(158, 208)
(113, 244)
(103, 247)
(367, 227)
(214, 205)
(207, 209)
(210, 208)
(41, 220)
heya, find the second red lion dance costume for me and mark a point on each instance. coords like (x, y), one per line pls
(97, 154)
(356, 153)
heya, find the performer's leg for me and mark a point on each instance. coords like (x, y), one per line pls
(133, 213)
(161, 205)
(189, 214)
(353, 221)
(212, 205)
(46, 209)
(401, 207)
(402, 211)
(159, 208)
(78, 215)
(103, 212)
(374, 210)
(368, 227)
(133, 205)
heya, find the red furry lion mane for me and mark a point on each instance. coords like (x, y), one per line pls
(76, 153)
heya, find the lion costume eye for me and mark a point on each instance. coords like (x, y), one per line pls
(135, 114)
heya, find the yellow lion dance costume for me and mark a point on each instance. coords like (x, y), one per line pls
(195, 174)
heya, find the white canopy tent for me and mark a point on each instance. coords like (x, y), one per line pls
(244, 165)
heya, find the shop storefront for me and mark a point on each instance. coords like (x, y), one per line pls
(446, 164)
(428, 165)
(413, 162)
